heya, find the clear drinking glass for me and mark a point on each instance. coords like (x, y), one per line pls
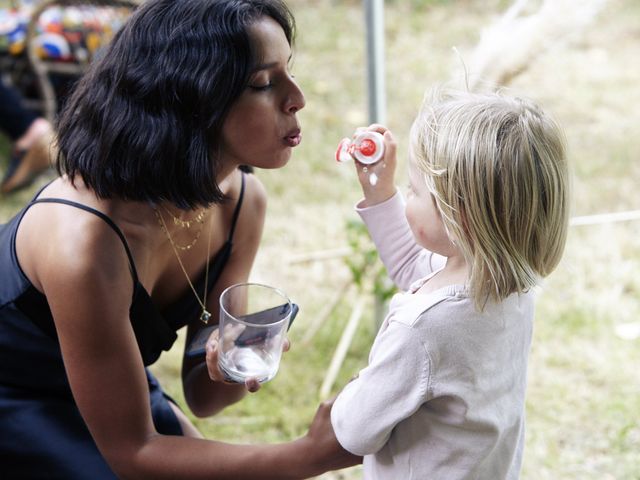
(253, 325)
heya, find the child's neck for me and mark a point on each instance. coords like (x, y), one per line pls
(455, 272)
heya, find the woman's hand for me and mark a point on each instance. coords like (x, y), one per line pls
(383, 171)
(212, 349)
(324, 444)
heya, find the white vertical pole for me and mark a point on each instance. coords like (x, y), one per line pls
(374, 16)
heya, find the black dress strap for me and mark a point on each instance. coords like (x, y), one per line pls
(236, 212)
(104, 217)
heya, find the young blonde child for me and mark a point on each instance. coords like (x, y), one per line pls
(486, 217)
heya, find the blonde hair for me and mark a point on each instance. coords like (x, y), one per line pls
(496, 166)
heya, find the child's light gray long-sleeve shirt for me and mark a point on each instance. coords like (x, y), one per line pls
(443, 394)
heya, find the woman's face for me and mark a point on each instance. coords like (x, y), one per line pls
(261, 127)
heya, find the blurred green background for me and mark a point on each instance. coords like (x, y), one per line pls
(583, 404)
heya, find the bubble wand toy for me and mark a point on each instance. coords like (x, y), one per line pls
(366, 147)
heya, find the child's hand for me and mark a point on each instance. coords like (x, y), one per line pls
(383, 187)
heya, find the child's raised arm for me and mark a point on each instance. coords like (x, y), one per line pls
(383, 171)
(382, 210)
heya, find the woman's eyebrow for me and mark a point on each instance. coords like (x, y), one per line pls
(267, 66)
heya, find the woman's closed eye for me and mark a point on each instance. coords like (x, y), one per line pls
(261, 87)
(261, 81)
(264, 84)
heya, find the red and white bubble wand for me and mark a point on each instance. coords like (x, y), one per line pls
(366, 147)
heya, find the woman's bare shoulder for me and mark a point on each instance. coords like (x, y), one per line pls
(59, 242)
(252, 213)
(256, 193)
(254, 197)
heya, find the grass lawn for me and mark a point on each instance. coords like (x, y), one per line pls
(583, 402)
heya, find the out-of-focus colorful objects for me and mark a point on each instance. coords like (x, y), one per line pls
(68, 34)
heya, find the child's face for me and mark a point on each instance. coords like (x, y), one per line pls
(424, 217)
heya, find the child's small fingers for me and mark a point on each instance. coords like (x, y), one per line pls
(378, 127)
(390, 146)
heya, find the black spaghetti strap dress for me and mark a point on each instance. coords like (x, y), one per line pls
(42, 435)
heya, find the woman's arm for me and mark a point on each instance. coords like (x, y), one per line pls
(204, 396)
(87, 281)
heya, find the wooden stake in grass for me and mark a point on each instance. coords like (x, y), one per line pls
(343, 346)
(319, 320)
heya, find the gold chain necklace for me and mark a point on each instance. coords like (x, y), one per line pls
(184, 224)
(199, 218)
(205, 315)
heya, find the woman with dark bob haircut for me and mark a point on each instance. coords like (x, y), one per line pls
(151, 219)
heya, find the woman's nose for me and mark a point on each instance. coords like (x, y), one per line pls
(295, 100)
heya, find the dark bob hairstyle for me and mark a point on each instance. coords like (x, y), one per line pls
(144, 123)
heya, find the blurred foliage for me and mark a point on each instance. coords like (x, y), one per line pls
(368, 272)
